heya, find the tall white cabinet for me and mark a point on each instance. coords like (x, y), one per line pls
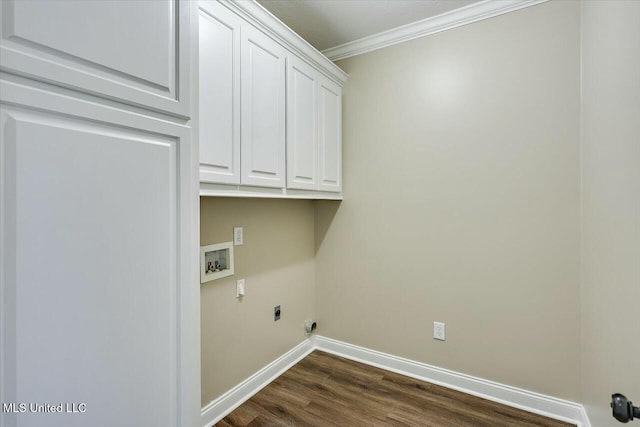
(219, 52)
(302, 129)
(314, 129)
(330, 135)
(282, 135)
(263, 110)
(99, 293)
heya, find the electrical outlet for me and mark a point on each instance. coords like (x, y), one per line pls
(240, 288)
(238, 236)
(439, 332)
(276, 313)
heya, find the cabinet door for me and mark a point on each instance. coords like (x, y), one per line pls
(302, 125)
(133, 51)
(263, 110)
(219, 94)
(97, 287)
(330, 135)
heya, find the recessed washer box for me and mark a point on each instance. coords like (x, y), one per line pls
(216, 261)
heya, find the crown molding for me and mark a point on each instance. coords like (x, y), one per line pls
(264, 20)
(446, 21)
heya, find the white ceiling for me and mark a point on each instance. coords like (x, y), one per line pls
(330, 23)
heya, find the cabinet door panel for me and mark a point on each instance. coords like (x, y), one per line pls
(91, 271)
(302, 130)
(330, 135)
(263, 110)
(127, 50)
(219, 94)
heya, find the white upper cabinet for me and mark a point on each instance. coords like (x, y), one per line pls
(330, 135)
(263, 110)
(314, 140)
(219, 94)
(270, 107)
(133, 51)
(302, 125)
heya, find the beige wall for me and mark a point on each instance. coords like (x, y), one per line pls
(610, 205)
(462, 202)
(462, 205)
(239, 337)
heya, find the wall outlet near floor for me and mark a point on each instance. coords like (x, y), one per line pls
(439, 332)
(276, 313)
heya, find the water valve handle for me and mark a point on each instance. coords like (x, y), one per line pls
(623, 409)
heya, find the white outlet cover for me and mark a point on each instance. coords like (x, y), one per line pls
(439, 331)
(238, 236)
(240, 288)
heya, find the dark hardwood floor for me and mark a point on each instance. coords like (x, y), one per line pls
(326, 390)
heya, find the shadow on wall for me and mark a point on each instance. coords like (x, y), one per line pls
(277, 263)
(272, 230)
(325, 212)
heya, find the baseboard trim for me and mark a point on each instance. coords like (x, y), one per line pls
(225, 404)
(511, 396)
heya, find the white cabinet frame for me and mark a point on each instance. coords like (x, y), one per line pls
(219, 97)
(262, 106)
(302, 125)
(57, 42)
(276, 160)
(24, 104)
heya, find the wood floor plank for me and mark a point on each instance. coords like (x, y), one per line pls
(327, 390)
(279, 391)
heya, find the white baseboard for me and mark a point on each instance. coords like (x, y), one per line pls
(511, 396)
(222, 406)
